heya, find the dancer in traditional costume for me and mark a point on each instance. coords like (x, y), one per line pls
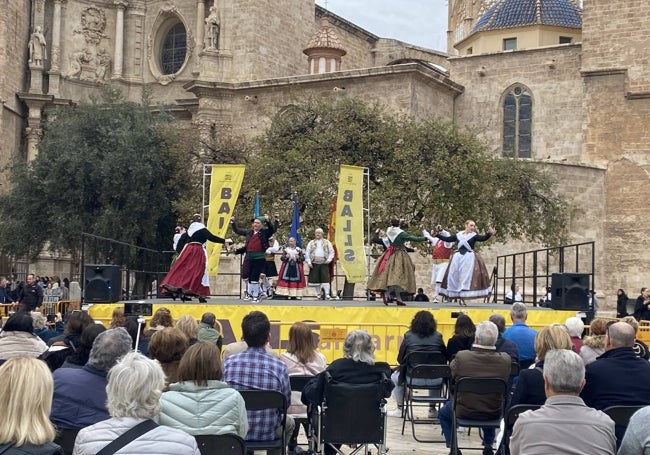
(395, 271)
(188, 276)
(291, 280)
(466, 276)
(441, 255)
(257, 242)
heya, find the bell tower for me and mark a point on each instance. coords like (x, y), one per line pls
(462, 16)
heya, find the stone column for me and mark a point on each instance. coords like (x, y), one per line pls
(55, 58)
(200, 34)
(119, 38)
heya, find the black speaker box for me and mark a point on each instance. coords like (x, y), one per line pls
(569, 291)
(103, 283)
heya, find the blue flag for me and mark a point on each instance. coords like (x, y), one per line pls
(256, 210)
(295, 222)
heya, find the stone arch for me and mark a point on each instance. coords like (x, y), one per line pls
(513, 131)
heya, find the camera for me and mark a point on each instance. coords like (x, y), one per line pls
(138, 309)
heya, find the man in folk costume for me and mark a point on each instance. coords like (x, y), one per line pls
(466, 276)
(257, 242)
(395, 271)
(318, 255)
(441, 255)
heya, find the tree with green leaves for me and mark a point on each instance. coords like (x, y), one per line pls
(106, 167)
(429, 172)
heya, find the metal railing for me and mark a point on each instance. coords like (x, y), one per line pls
(532, 270)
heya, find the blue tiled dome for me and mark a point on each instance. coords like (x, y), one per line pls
(519, 13)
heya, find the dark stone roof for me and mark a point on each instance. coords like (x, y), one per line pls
(519, 13)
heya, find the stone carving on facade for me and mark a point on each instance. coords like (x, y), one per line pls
(90, 62)
(214, 25)
(37, 47)
(166, 12)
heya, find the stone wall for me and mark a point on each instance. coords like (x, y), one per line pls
(556, 92)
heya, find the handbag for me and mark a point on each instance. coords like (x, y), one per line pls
(128, 437)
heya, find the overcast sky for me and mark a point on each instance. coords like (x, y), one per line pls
(420, 22)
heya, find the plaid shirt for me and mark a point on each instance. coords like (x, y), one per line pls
(254, 369)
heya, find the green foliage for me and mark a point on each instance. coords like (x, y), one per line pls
(431, 173)
(107, 167)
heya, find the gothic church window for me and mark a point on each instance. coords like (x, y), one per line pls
(517, 122)
(173, 49)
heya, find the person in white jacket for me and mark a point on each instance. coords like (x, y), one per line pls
(201, 403)
(134, 388)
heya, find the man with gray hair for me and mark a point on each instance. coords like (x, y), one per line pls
(482, 361)
(80, 394)
(522, 335)
(318, 255)
(575, 428)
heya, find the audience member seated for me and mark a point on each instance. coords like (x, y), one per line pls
(80, 356)
(421, 296)
(117, 318)
(188, 325)
(61, 347)
(167, 346)
(637, 437)
(463, 337)
(80, 394)
(564, 424)
(482, 361)
(40, 327)
(161, 318)
(200, 403)
(522, 335)
(575, 327)
(132, 326)
(530, 386)
(254, 368)
(503, 345)
(134, 387)
(640, 348)
(302, 359)
(594, 344)
(25, 401)
(17, 338)
(208, 331)
(357, 366)
(618, 377)
(422, 336)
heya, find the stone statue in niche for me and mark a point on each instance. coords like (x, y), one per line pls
(103, 62)
(214, 25)
(37, 49)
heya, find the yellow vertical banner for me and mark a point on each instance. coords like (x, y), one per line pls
(349, 223)
(225, 183)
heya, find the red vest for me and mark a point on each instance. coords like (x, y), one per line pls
(440, 251)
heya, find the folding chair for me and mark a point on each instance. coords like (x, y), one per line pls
(481, 389)
(259, 400)
(65, 437)
(509, 422)
(220, 444)
(422, 368)
(353, 414)
(621, 416)
(298, 383)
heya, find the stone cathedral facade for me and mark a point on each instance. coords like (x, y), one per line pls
(559, 82)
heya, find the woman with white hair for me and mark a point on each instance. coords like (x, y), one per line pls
(25, 403)
(357, 366)
(135, 385)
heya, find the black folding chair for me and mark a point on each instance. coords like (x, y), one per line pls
(491, 390)
(420, 392)
(509, 420)
(65, 437)
(353, 414)
(298, 383)
(259, 400)
(621, 416)
(221, 444)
